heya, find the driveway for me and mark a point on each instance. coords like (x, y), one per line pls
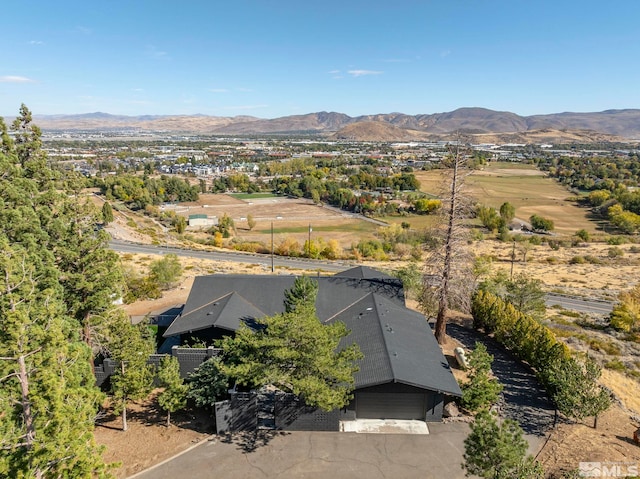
(525, 400)
(340, 455)
(331, 455)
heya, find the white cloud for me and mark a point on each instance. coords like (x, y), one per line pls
(360, 73)
(396, 60)
(334, 72)
(84, 30)
(445, 53)
(154, 52)
(137, 89)
(36, 42)
(244, 90)
(218, 90)
(15, 79)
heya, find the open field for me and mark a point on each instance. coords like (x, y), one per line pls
(525, 187)
(290, 217)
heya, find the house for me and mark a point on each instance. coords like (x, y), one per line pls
(403, 374)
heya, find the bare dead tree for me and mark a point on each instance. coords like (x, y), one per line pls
(449, 280)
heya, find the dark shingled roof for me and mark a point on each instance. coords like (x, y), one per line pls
(226, 312)
(398, 346)
(397, 343)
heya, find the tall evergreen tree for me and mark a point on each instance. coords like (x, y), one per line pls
(481, 390)
(174, 396)
(133, 380)
(303, 291)
(48, 394)
(47, 390)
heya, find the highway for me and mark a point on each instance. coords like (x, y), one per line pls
(278, 261)
(568, 302)
(580, 304)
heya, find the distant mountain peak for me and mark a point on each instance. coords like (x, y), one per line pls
(474, 120)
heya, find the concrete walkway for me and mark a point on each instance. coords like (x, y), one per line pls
(385, 426)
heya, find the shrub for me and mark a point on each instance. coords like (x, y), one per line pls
(166, 271)
(615, 365)
(583, 235)
(616, 240)
(615, 252)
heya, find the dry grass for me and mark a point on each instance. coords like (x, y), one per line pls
(525, 187)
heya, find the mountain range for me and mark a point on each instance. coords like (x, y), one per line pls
(609, 125)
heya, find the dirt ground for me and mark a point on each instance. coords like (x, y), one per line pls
(571, 443)
(148, 440)
(554, 268)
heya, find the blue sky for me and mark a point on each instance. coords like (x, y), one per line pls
(277, 58)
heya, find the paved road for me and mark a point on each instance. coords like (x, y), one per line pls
(319, 455)
(580, 304)
(524, 399)
(279, 261)
(567, 302)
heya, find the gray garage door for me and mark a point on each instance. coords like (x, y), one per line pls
(390, 405)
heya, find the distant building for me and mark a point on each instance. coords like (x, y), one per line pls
(202, 220)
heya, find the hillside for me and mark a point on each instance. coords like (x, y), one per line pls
(471, 121)
(376, 131)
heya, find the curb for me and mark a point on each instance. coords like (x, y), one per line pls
(199, 443)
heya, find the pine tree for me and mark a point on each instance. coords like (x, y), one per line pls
(208, 384)
(47, 392)
(133, 380)
(496, 450)
(303, 291)
(48, 398)
(295, 352)
(481, 390)
(576, 391)
(174, 396)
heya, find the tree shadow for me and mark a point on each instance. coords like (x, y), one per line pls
(628, 440)
(150, 414)
(250, 441)
(526, 401)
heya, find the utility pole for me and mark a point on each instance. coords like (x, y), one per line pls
(309, 243)
(513, 259)
(272, 265)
